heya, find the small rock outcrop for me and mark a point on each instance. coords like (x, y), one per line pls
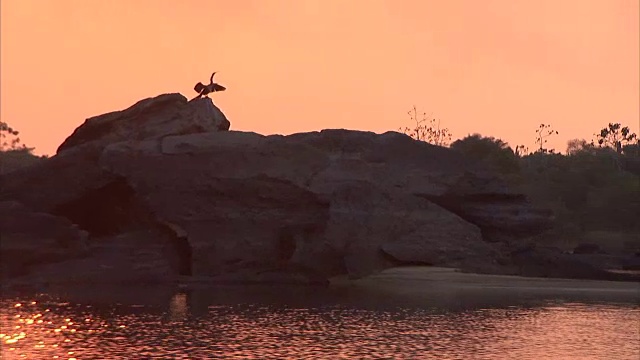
(180, 195)
(29, 237)
(153, 118)
(500, 215)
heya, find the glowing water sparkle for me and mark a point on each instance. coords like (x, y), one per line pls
(190, 326)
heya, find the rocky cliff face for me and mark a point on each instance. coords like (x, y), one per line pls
(170, 179)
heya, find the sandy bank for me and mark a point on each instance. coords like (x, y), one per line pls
(420, 279)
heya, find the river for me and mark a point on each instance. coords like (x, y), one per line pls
(452, 318)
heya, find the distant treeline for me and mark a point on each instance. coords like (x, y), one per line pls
(593, 187)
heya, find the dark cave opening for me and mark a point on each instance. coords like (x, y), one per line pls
(108, 210)
(114, 209)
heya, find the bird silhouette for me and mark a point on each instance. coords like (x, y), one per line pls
(205, 90)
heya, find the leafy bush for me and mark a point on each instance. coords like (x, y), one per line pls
(587, 187)
(492, 152)
(12, 160)
(13, 154)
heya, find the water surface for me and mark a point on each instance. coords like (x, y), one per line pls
(313, 323)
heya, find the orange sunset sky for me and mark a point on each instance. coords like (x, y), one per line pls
(496, 67)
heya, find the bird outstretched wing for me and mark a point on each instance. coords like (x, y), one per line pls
(217, 87)
(199, 87)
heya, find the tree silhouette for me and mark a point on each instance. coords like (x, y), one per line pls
(9, 139)
(542, 133)
(616, 137)
(426, 129)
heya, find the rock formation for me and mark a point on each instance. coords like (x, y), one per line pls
(163, 188)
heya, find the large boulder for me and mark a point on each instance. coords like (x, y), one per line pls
(240, 205)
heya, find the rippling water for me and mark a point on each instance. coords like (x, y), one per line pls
(197, 325)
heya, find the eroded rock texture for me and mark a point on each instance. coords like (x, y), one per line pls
(164, 189)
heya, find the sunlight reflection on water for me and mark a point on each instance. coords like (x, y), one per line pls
(43, 327)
